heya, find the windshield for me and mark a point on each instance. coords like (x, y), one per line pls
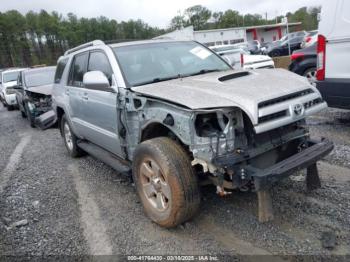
(39, 77)
(155, 62)
(10, 76)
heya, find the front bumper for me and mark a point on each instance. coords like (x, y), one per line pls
(265, 178)
(10, 99)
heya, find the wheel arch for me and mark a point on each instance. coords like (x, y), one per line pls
(157, 129)
(59, 112)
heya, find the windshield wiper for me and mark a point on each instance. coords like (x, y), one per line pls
(158, 79)
(205, 71)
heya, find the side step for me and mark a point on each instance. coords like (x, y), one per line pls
(108, 158)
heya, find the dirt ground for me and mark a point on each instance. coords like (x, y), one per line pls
(51, 204)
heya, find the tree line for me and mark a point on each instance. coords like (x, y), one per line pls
(202, 18)
(41, 37)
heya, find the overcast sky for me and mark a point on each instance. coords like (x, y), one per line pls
(154, 12)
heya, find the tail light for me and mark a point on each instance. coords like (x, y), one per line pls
(242, 60)
(296, 56)
(321, 58)
(308, 39)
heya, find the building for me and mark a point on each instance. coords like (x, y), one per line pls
(263, 33)
(269, 33)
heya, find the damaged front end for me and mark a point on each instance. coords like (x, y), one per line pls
(40, 109)
(233, 156)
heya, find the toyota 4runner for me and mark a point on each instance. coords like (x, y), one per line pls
(176, 116)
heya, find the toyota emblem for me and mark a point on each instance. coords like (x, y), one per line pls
(298, 109)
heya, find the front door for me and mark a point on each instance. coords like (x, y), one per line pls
(99, 107)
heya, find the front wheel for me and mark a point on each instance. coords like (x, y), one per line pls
(275, 53)
(70, 140)
(29, 115)
(165, 182)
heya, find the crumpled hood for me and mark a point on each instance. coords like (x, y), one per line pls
(45, 89)
(246, 92)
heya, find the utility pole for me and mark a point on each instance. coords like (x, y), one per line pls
(285, 21)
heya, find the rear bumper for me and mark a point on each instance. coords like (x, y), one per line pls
(335, 91)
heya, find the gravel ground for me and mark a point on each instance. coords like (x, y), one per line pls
(82, 207)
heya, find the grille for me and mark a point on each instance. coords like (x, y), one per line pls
(285, 98)
(312, 103)
(273, 116)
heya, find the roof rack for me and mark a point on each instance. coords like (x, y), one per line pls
(93, 43)
(37, 66)
(116, 41)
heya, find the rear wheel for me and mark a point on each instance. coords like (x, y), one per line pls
(165, 182)
(310, 74)
(9, 108)
(70, 140)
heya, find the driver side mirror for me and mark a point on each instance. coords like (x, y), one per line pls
(96, 80)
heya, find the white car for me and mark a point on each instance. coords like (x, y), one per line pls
(8, 79)
(333, 56)
(240, 58)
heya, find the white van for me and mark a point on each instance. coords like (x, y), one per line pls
(333, 53)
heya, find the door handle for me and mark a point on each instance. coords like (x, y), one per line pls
(67, 92)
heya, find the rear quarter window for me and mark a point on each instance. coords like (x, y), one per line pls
(60, 69)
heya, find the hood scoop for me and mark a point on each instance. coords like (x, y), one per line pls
(233, 76)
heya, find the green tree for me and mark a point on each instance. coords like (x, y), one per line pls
(198, 16)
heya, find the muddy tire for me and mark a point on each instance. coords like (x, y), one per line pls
(165, 182)
(70, 140)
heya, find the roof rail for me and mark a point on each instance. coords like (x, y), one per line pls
(92, 43)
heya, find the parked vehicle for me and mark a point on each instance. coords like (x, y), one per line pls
(7, 93)
(309, 39)
(254, 47)
(304, 62)
(174, 113)
(333, 56)
(33, 92)
(239, 58)
(282, 48)
(278, 43)
(292, 35)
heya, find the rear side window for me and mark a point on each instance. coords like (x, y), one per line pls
(78, 69)
(59, 70)
(98, 61)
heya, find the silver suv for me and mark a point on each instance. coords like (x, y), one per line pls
(176, 116)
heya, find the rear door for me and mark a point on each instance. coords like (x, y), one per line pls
(100, 107)
(74, 90)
